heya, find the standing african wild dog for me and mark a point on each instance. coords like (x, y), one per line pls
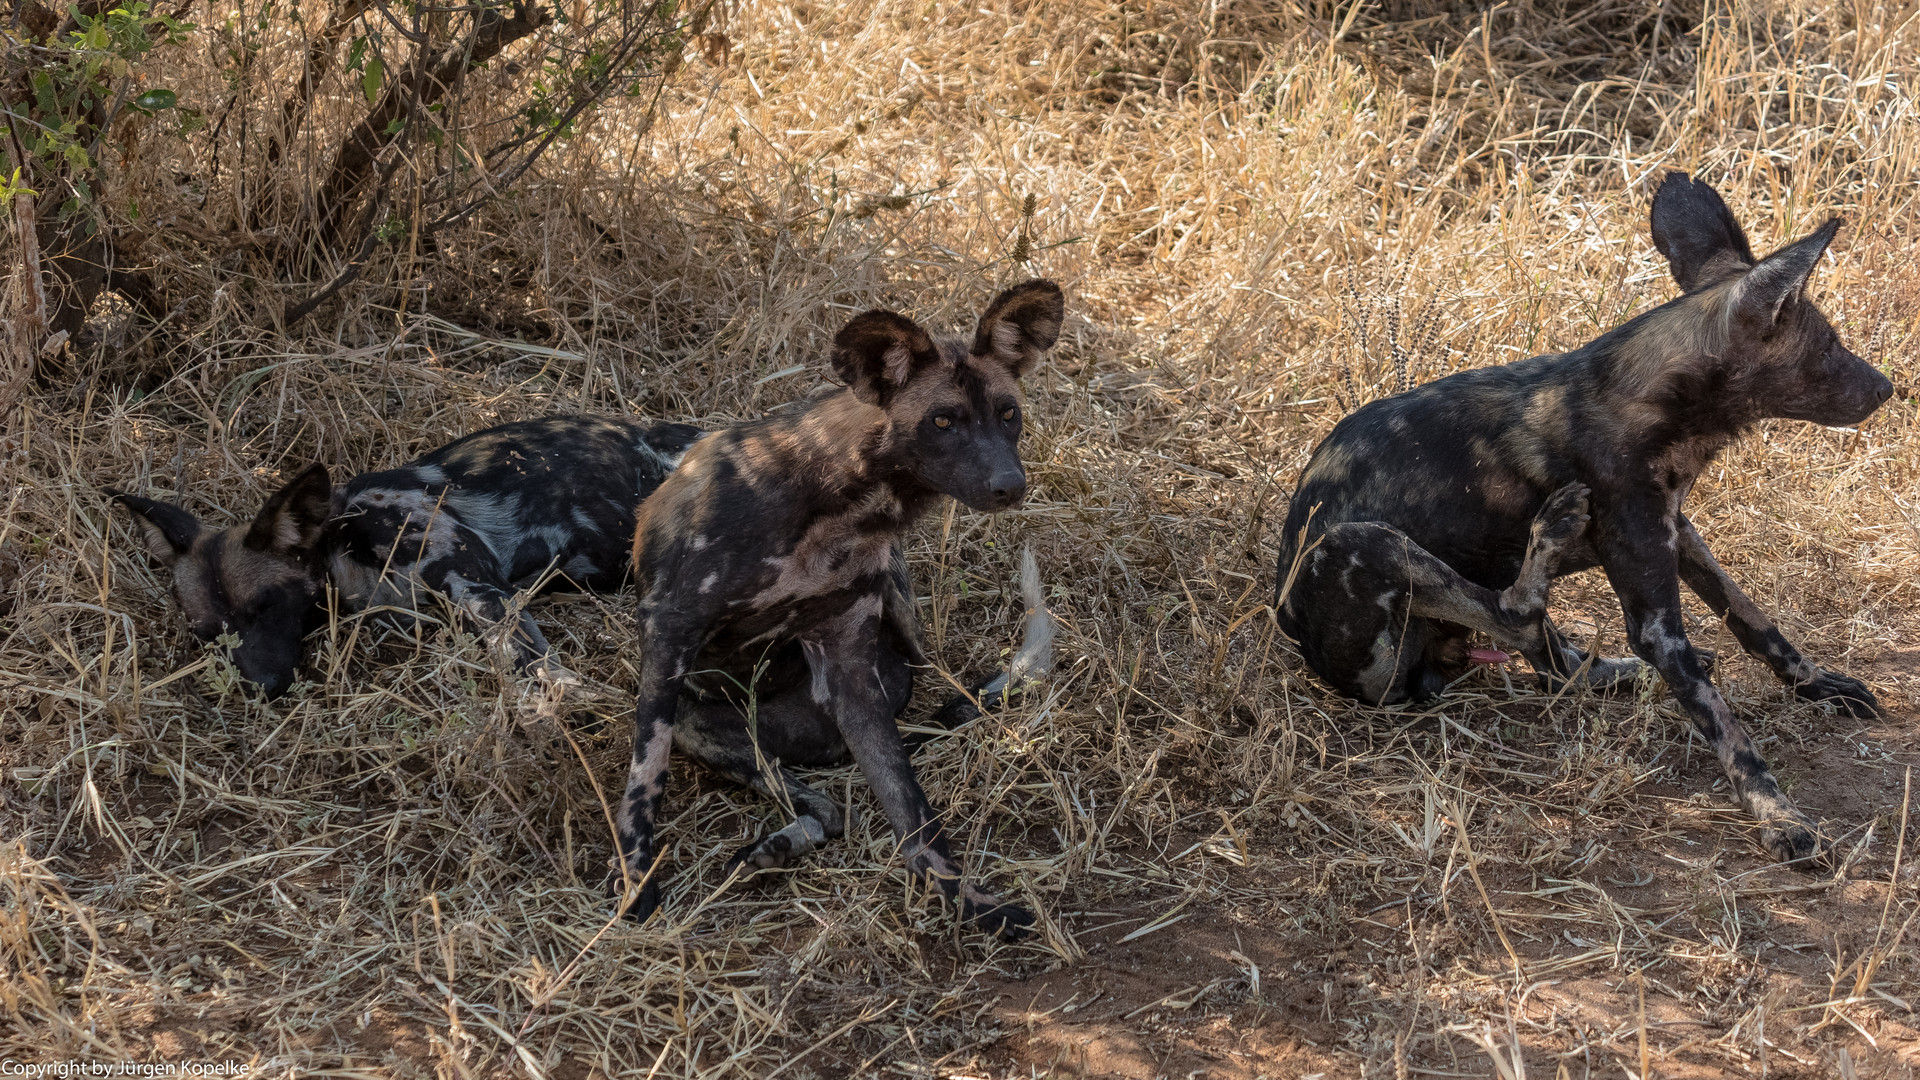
(474, 521)
(773, 548)
(1409, 529)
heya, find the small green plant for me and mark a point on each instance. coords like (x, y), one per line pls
(11, 187)
(66, 84)
(80, 84)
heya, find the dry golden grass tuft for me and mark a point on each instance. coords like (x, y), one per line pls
(1264, 215)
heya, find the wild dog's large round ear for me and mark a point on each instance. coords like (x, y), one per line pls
(1021, 324)
(1693, 228)
(168, 530)
(1782, 276)
(878, 351)
(293, 517)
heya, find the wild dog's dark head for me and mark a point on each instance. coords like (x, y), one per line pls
(261, 582)
(954, 406)
(1746, 341)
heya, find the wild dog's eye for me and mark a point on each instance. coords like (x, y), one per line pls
(942, 422)
(1009, 414)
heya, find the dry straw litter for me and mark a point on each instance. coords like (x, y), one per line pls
(1265, 214)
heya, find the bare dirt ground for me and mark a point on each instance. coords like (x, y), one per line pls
(1235, 989)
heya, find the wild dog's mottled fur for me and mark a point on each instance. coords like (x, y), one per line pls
(474, 521)
(769, 560)
(1416, 508)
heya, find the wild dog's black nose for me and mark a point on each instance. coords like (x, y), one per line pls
(1884, 389)
(1009, 487)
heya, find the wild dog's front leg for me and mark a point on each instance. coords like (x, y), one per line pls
(1645, 577)
(516, 639)
(1759, 636)
(665, 652)
(847, 681)
(456, 562)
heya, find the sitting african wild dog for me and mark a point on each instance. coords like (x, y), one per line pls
(772, 551)
(547, 501)
(1409, 530)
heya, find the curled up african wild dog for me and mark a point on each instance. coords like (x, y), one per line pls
(545, 503)
(776, 626)
(1446, 510)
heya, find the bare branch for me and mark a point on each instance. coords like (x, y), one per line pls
(422, 86)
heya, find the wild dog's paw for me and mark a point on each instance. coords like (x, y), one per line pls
(544, 695)
(1603, 675)
(1008, 922)
(1563, 519)
(586, 723)
(550, 673)
(1844, 692)
(767, 853)
(1613, 674)
(1796, 841)
(644, 904)
(780, 850)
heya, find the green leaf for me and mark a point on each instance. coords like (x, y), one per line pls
(370, 80)
(43, 94)
(357, 55)
(396, 125)
(155, 100)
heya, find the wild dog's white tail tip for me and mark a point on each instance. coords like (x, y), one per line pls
(1034, 659)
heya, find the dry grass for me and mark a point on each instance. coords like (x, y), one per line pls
(395, 872)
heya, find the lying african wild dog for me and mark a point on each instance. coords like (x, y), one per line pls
(475, 521)
(773, 550)
(1409, 529)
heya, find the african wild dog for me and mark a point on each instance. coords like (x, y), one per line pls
(1409, 530)
(770, 560)
(547, 502)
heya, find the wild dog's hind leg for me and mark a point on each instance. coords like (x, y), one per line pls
(1370, 604)
(786, 726)
(715, 734)
(1760, 637)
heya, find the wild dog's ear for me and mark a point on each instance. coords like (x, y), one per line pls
(1782, 276)
(1692, 227)
(878, 351)
(293, 517)
(168, 529)
(1020, 324)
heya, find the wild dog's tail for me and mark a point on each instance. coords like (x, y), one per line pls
(1030, 663)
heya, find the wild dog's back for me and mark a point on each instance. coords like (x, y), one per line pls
(1460, 465)
(558, 491)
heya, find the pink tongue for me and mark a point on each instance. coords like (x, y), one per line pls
(1487, 656)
